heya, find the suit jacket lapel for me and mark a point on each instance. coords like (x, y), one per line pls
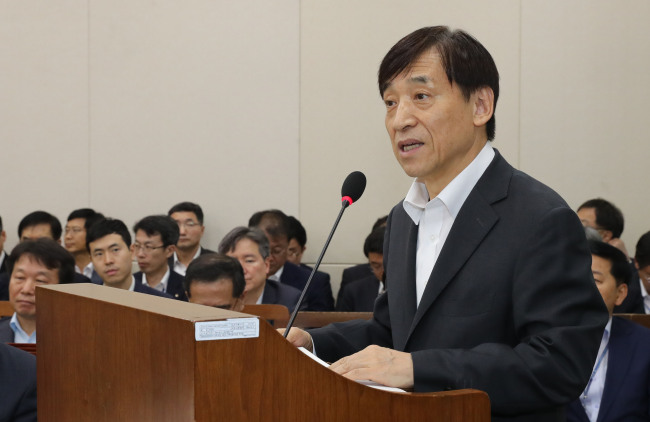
(402, 297)
(473, 222)
(618, 362)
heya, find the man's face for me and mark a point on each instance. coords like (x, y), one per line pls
(150, 252)
(191, 230)
(75, 236)
(587, 217)
(255, 267)
(278, 246)
(112, 258)
(36, 232)
(612, 294)
(294, 252)
(217, 294)
(26, 275)
(434, 131)
(376, 261)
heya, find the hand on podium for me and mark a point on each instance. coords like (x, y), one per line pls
(379, 364)
(299, 338)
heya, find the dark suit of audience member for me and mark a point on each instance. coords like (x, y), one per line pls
(170, 260)
(626, 395)
(359, 295)
(279, 294)
(356, 272)
(141, 288)
(174, 285)
(6, 333)
(319, 296)
(3, 266)
(17, 385)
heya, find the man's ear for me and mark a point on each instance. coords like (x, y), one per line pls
(621, 292)
(169, 250)
(483, 105)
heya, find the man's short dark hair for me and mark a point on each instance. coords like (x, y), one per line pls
(188, 207)
(159, 224)
(620, 266)
(465, 61)
(642, 254)
(0, 223)
(274, 222)
(374, 242)
(89, 215)
(608, 216)
(41, 217)
(297, 231)
(104, 228)
(230, 240)
(212, 267)
(48, 253)
(381, 222)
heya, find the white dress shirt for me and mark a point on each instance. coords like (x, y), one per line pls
(435, 217)
(593, 393)
(162, 286)
(179, 267)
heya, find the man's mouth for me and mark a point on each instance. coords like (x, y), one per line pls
(407, 146)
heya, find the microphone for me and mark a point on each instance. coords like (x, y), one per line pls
(351, 191)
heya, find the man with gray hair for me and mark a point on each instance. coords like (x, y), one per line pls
(251, 247)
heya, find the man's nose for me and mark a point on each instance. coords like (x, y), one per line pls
(28, 287)
(404, 117)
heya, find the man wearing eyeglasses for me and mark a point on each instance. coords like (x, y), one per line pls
(109, 243)
(74, 240)
(216, 280)
(189, 217)
(155, 240)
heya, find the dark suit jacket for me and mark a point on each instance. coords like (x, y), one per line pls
(3, 265)
(279, 294)
(6, 333)
(17, 385)
(174, 285)
(170, 260)
(626, 397)
(510, 307)
(4, 283)
(141, 288)
(359, 295)
(319, 296)
(350, 274)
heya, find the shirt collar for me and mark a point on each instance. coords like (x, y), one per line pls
(453, 196)
(163, 281)
(132, 288)
(20, 335)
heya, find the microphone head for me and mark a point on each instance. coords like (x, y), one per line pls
(353, 187)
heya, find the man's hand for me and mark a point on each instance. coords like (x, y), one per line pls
(385, 366)
(299, 338)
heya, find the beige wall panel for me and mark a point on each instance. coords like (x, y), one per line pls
(585, 88)
(342, 115)
(194, 101)
(43, 112)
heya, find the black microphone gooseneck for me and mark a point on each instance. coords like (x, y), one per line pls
(351, 191)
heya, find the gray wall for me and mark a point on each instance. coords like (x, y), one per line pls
(131, 106)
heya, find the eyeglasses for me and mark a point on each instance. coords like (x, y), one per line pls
(146, 248)
(188, 224)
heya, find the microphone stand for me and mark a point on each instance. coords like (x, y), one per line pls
(346, 202)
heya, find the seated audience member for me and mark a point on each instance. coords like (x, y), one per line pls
(109, 243)
(74, 240)
(155, 240)
(216, 280)
(360, 295)
(357, 272)
(17, 385)
(608, 220)
(189, 217)
(36, 225)
(251, 247)
(275, 225)
(619, 388)
(32, 263)
(298, 245)
(3, 254)
(642, 264)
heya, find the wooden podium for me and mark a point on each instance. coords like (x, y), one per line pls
(106, 354)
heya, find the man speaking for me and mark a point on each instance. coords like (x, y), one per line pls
(488, 273)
